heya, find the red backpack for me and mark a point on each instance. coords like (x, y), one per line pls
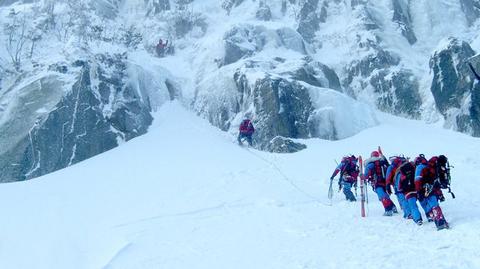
(246, 127)
(407, 182)
(350, 166)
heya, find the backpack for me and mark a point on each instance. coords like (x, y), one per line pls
(397, 160)
(407, 170)
(246, 126)
(441, 169)
(380, 165)
(350, 166)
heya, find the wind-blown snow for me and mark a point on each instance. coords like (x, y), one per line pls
(186, 196)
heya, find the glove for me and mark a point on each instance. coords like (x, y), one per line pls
(420, 195)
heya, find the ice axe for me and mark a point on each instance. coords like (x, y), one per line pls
(474, 64)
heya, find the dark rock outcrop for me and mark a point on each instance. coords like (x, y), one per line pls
(284, 145)
(396, 90)
(451, 74)
(377, 60)
(469, 120)
(243, 41)
(282, 108)
(401, 15)
(100, 110)
(398, 93)
(309, 20)
(471, 8)
(456, 94)
(316, 74)
(240, 42)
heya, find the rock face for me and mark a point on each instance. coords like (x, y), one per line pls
(397, 94)
(282, 145)
(263, 13)
(453, 88)
(100, 110)
(286, 100)
(377, 60)
(282, 108)
(395, 90)
(401, 15)
(378, 76)
(157, 6)
(309, 20)
(451, 74)
(471, 8)
(245, 40)
(317, 74)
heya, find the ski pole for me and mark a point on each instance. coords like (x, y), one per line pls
(450, 191)
(340, 183)
(330, 190)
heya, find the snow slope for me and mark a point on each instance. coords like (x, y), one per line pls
(186, 196)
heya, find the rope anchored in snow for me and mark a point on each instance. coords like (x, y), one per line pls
(287, 179)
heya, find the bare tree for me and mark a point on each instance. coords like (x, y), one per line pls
(16, 32)
(49, 10)
(34, 36)
(80, 19)
(63, 26)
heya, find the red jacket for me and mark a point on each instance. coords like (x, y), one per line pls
(246, 127)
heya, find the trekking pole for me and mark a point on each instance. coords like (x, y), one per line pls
(330, 187)
(330, 190)
(366, 197)
(450, 191)
(449, 179)
(340, 183)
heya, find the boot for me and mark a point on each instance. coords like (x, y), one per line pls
(441, 224)
(430, 216)
(394, 210)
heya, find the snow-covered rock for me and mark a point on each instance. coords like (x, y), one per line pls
(263, 13)
(245, 40)
(402, 16)
(397, 92)
(309, 19)
(285, 97)
(456, 95)
(471, 9)
(59, 127)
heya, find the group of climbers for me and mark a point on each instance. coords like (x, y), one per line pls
(420, 180)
